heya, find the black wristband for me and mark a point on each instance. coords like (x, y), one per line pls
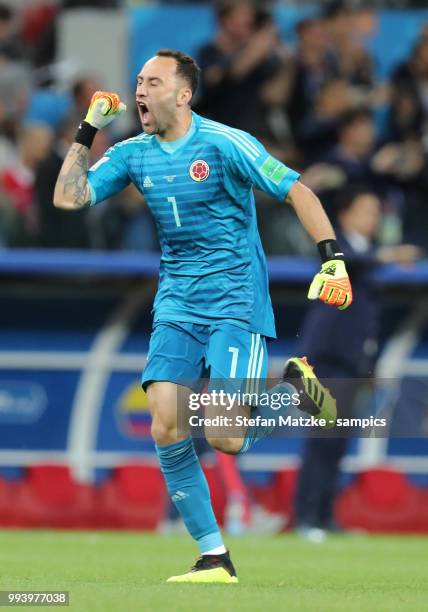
(85, 134)
(329, 249)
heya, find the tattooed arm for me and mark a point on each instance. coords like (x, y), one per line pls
(72, 189)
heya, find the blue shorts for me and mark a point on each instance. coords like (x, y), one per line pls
(187, 353)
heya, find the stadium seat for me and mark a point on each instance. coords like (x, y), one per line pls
(49, 497)
(6, 503)
(383, 500)
(384, 488)
(277, 496)
(132, 498)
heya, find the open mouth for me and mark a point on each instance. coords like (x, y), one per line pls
(144, 112)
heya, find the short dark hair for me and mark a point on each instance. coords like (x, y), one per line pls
(186, 66)
(337, 8)
(224, 8)
(354, 115)
(345, 198)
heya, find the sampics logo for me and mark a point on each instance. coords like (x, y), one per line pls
(199, 170)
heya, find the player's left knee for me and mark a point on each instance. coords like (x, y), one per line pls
(231, 446)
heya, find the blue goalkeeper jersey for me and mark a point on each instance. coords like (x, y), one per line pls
(200, 191)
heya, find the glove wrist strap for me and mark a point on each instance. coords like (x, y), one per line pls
(85, 134)
(329, 249)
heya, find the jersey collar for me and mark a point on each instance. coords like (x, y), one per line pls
(172, 146)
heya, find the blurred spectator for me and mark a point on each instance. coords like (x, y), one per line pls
(82, 91)
(394, 171)
(14, 91)
(403, 160)
(39, 33)
(304, 76)
(58, 228)
(243, 56)
(17, 183)
(406, 116)
(42, 26)
(356, 142)
(14, 73)
(400, 161)
(348, 161)
(412, 75)
(354, 63)
(55, 106)
(318, 130)
(403, 166)
(330, 73)
(304, 104)
(7, 147)
(406, 157)
(342, 348)
(10, 46)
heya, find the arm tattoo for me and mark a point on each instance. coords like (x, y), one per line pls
(73, 176)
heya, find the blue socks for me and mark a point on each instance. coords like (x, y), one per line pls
(188, 488)
(258, 431)
(186, 482)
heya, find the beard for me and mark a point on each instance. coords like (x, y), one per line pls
(161, 120)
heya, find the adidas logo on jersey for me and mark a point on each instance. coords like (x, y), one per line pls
(147, 182)
(179, 495)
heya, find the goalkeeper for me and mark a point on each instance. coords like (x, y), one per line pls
(212, 311)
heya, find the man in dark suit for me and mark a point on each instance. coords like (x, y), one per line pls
(342, 348)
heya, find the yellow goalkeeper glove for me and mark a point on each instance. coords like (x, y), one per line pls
(331, 285)
(103, 108)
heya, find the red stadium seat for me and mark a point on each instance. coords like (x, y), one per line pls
(277, 497)
(49, 497)
(132, 498)
(383, 487)
(383, 500)
(6, 503)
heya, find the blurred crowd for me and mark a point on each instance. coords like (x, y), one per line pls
(318, 107)
(314, 102)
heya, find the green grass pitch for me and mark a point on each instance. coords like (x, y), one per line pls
(125, 572)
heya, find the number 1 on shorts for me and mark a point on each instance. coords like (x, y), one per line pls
(234, 364)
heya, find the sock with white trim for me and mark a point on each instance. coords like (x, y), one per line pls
(220, 550)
